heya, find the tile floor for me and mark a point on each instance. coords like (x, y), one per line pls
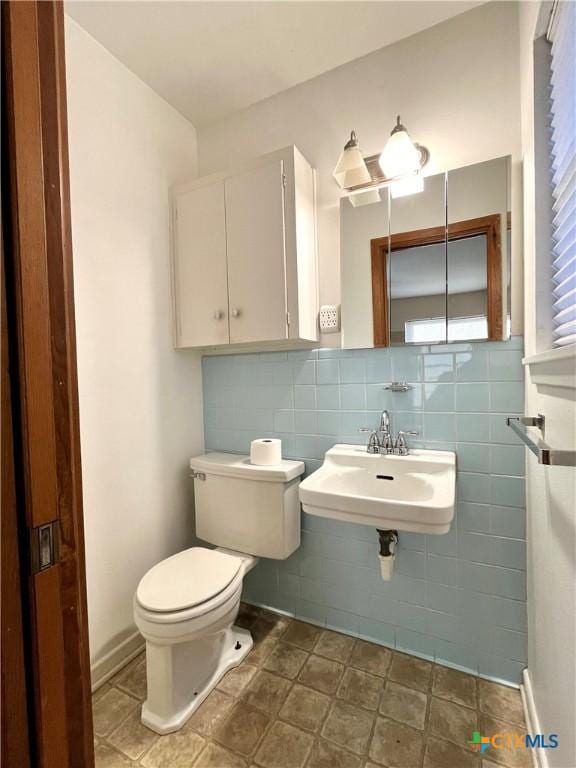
(307, 697)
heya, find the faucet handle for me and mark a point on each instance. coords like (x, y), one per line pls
(400, 447)
(373, 441)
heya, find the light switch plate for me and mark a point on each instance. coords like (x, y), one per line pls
(330, 318)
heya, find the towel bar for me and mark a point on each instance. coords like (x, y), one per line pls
(546, 455)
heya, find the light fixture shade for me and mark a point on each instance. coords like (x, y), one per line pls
(365, 198)
(351, 169)
(400, 156)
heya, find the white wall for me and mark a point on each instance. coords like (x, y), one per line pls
(455, 85)
(140, 401)
(551, 496)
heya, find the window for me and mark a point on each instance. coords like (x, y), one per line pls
(562, 36)
(434, 329)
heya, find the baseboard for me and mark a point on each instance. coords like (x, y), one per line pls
(539, 758)
(106, 667)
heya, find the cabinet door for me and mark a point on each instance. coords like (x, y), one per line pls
(256, 255)
(200, 277)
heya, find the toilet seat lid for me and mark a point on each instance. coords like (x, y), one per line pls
(189, 578)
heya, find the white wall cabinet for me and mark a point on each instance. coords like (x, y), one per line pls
(244, 250)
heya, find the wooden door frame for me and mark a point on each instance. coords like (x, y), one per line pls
(482, 225)
(43, 379)
(14, 685)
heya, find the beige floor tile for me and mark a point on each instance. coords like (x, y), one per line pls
(267, 692)
(176, 750)
(242, 729)
(284, 747)
(286, 660)
(132, 678)
(265, 632)
(452, 721)
(110, 709)
(455, 686)
(234, 682)
(349, 727)
(396, 745)
(501, 702)
(215, 756)
(247, 615)
(261, 649)
(305, 708)
(271, 624)
(102, 691)
(371, 657)
(131, 737)
(301, 634)
(328, 755)
(360, 688)
(443, 754)
(106, 757)
(282, 679)
(211, 713)
(513, 757)
(405, 705)
(322, 674)
(334, 646)
(410, 671)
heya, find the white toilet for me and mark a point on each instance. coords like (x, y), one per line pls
(185, 606)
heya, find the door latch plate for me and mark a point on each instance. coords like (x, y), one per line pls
(45, 546)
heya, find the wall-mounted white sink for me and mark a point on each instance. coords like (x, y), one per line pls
(407, 493)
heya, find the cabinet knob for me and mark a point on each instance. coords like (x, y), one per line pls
(218, 315)
(235, 312)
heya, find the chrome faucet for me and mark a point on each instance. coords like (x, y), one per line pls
(381, 441)
(384, 435)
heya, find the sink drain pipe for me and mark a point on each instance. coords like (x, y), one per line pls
(388, 546)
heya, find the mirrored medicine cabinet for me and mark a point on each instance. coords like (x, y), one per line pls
(431, 267)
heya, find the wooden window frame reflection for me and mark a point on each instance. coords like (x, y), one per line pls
(483, 225)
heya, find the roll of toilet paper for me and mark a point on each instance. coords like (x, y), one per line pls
(266, 451)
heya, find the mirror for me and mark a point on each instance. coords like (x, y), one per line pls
(417, 264)
(431, 267)
(478, 251)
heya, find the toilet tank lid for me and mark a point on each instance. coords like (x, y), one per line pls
(236, 465)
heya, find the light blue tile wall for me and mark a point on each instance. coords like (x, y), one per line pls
(458, 598)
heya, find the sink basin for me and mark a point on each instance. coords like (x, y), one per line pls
(407, 493)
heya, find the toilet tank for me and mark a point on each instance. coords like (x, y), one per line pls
(245, 507)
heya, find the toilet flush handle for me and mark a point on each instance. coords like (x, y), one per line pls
(198, 475)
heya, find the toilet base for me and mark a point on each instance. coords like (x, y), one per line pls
(230, 657)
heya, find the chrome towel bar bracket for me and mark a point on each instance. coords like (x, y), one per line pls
(546, 455)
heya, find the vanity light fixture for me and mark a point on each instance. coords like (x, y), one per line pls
(398, 166)
(400, 156)
(351, 169)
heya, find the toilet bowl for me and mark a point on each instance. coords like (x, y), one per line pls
(186, 605)
(185, 608)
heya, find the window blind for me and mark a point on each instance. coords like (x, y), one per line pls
(562, 36)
